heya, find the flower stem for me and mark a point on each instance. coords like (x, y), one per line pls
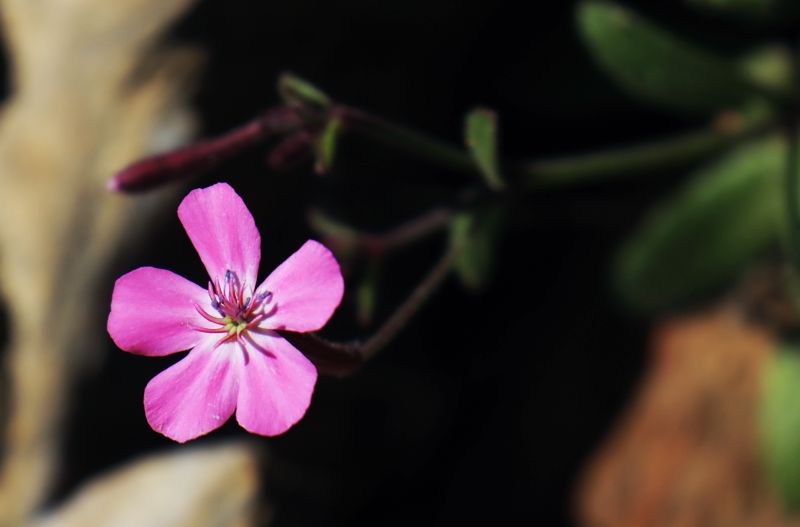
(344, 358)
(349, 239)
(411, 305)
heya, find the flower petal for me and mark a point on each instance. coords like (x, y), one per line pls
(153, 312)
(275, 385)
(307, 288)
(223, 232)
(195, 395)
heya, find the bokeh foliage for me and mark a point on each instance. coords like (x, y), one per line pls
(741, 199)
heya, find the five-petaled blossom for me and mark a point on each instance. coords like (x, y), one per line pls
(238, 361)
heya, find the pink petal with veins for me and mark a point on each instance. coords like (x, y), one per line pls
(307, 288)
(275, 385)
(196, 395)
(153, 313)
(223, 232)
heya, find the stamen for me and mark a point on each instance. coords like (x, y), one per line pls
(208, 317)
(270, 311)
(266, 295)
(218, 290)
(255, 321)
(240, 311)
(210, 330)
(240, 293)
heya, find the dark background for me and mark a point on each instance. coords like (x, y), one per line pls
(488, 405)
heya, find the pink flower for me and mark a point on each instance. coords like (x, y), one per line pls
(237, 361)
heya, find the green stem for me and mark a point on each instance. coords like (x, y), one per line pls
(656, 155)
(409, 141)
(343, 358)
(534, 175)
(403, 314)
(377, 244)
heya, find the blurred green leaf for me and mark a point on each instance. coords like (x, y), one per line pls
(779, 424)
(477, 233)
(696, 241)
(481, 139)
(325, 145)
(299, 92)
(656, 66)
(770, 67)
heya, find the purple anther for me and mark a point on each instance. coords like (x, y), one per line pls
(265, 296)
(211, 293)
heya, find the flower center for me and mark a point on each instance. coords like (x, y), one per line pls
(234, 326)
(237, 306)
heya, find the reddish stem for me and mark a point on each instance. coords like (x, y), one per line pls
(203, 156)
(344, 358)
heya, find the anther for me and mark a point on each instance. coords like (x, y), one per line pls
(265, 296)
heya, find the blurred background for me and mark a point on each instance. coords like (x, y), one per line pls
(625, 358)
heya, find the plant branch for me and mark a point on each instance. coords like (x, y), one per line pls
(203, 156)
(665, 153)
(407, 140)
(339, 358)
(304, 124)
(349, 239)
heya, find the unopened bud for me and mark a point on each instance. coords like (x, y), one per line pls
(201, 157)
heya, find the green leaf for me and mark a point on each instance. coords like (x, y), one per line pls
(325, 145)
(476, 234)
(770, 67)
(701, 238)
(779, 424)
(481, 139)
(656, 66)
(298, 92)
